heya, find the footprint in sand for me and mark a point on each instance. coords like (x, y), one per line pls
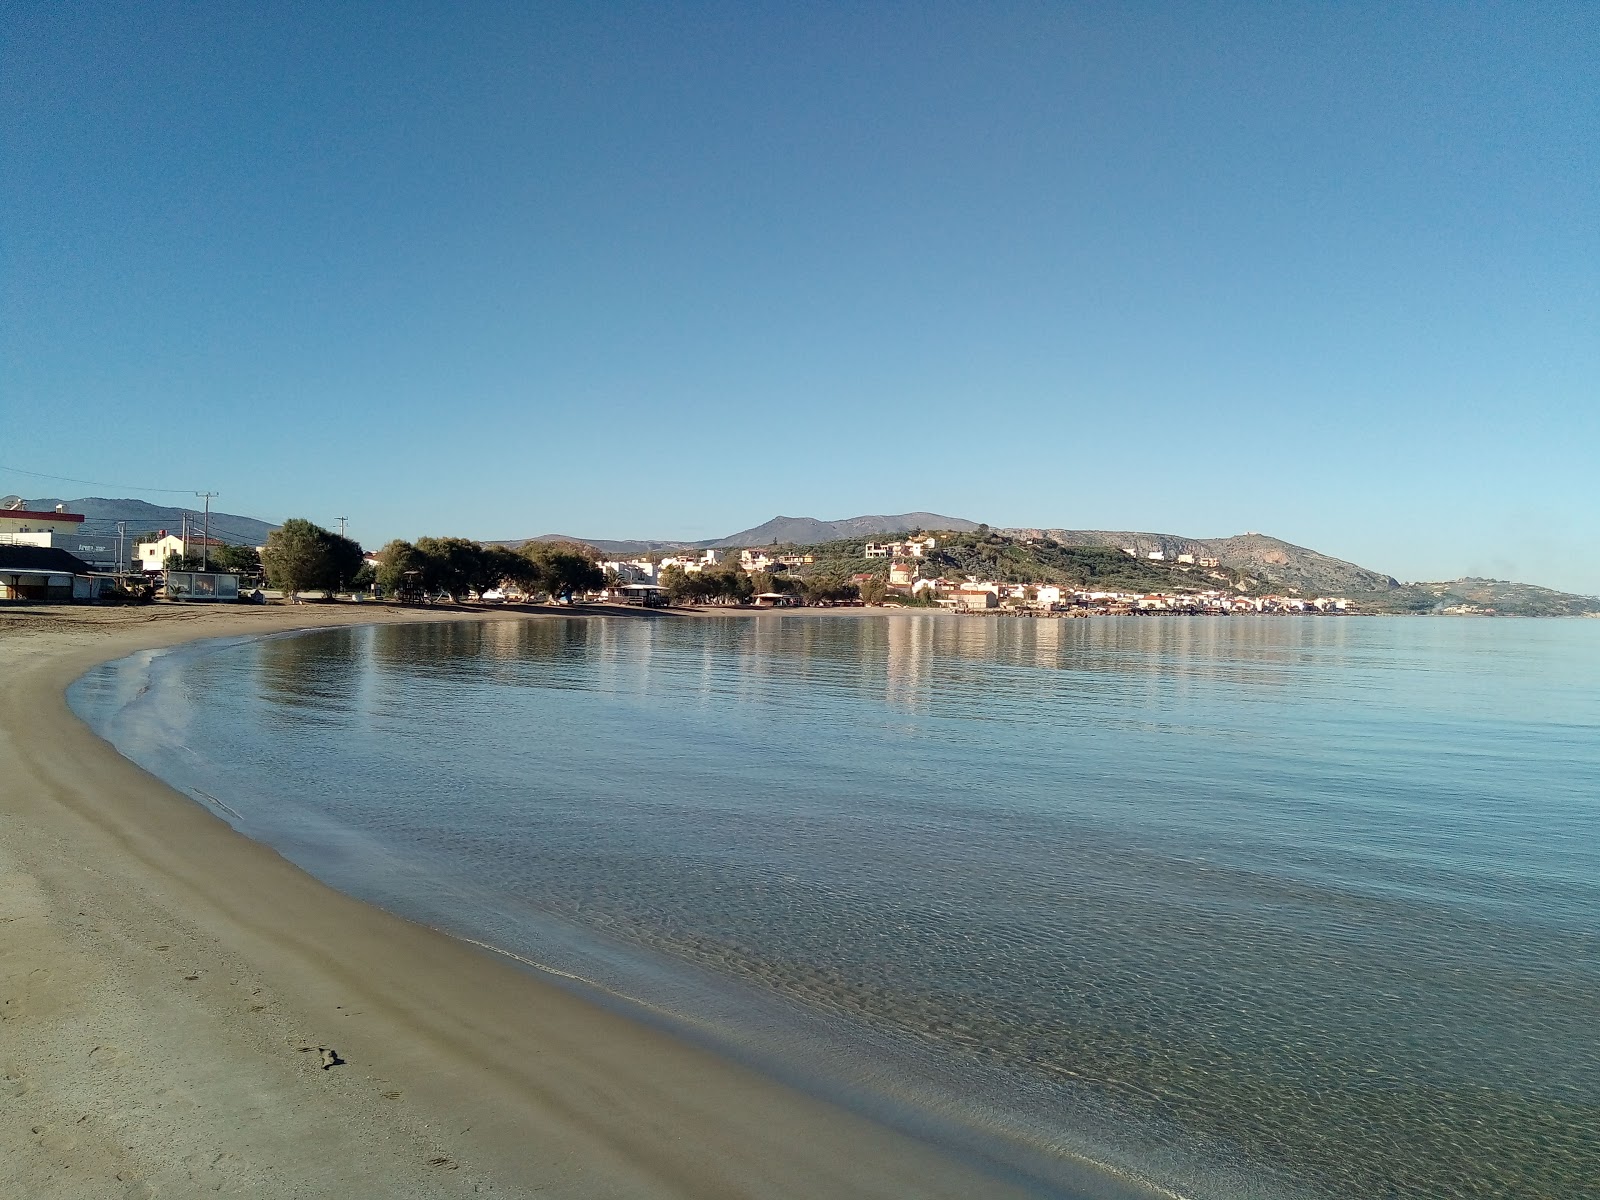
(105, 1056)
(222, 1172)
(15, 1083)
(55, 1140)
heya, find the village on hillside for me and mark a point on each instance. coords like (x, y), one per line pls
(896, 572)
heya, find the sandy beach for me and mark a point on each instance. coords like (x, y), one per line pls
(170, 993)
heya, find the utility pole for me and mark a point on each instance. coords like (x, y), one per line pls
(205, 544)
(341, 521)
(122, 563)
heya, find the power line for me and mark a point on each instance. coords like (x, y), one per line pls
(205, 546)
(107, 526)
(127, 487)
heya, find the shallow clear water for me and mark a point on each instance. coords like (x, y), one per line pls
(1243, 907)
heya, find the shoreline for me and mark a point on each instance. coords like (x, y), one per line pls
(170, 986)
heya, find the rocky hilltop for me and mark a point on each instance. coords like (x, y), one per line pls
(1266, 559)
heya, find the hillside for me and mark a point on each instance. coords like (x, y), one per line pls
(101, 517)
(1094, 566)
(1008, 559)
(1263, 563)
(1285, 566)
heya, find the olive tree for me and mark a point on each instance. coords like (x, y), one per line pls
(562, 569)
(298, 556)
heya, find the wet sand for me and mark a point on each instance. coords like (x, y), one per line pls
(170, 993)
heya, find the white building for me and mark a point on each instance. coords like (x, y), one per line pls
(690, 566)
(760, 560)
(915, 548)
(152, 556)
(975, 595)
(639, 570)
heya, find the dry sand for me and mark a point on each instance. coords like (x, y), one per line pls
(169, 989)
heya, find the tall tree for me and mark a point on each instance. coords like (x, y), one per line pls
(677, 583)
(563, 570)
(297, 557)
(500, 566)
(400, 570)
(450, 564)
(345, 558)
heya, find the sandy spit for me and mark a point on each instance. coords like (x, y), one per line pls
(183, 1013)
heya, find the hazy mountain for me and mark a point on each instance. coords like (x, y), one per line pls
(101, 517)
(622, 548)
(808, 531)
(1266, 558)
(1486, 596)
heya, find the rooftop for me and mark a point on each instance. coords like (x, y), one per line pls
(16, 514)
(35, 560)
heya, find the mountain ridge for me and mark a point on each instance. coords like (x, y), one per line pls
(101, 515)
(810, 530)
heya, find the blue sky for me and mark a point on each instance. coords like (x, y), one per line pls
(1325, 271)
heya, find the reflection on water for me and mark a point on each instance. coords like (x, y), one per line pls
(1287, 905)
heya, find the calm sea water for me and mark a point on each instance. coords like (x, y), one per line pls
(1272, 907)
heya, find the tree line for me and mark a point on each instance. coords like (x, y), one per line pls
(300, 556)
(459, 567)
(731, 585)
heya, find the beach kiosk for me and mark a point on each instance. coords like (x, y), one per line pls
(201, 585)
(645, 595)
